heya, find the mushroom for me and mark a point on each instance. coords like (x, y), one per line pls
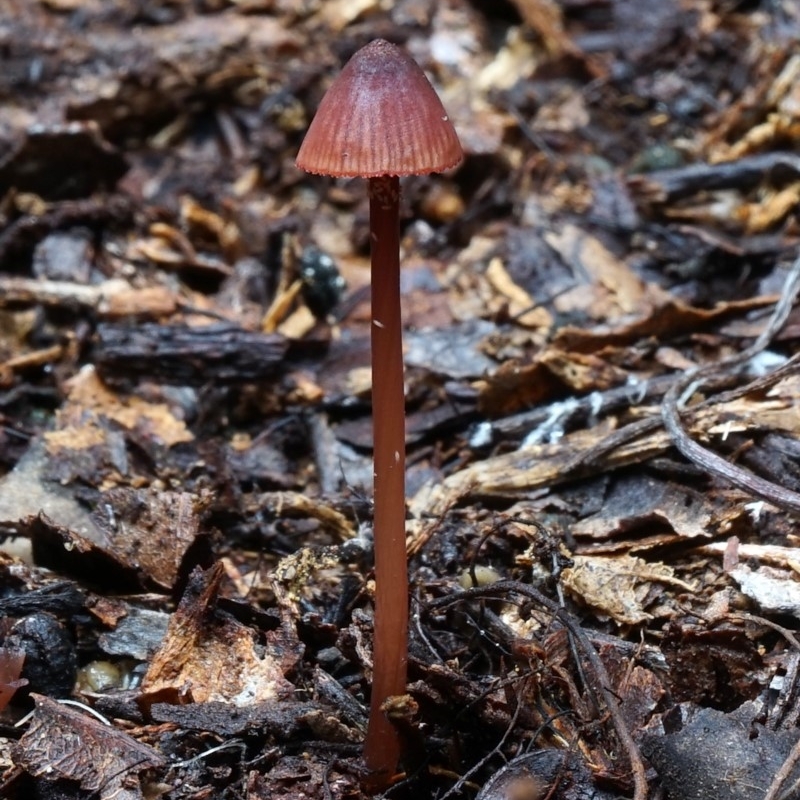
(381, 119)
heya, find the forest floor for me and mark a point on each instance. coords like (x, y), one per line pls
(602, 396)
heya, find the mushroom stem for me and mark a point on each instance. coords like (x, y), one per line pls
(381, 119)
(382, 746)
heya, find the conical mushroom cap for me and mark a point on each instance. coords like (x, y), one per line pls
(381, 116)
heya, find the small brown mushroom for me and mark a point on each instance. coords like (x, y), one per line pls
(381, 119)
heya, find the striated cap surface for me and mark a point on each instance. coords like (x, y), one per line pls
(381, 116)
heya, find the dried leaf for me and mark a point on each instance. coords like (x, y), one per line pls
(617, 586)
(616, 291)
(62, 743)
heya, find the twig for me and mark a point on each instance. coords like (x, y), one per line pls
(690, 382)
(582, 409)
(496, 749)
(234, 744)
(644, 426)
(669, 418)
(500, 588)
(785, 632)
(668, 185)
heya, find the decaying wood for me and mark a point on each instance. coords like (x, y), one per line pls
(190, 356)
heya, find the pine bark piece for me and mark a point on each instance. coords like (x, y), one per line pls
(187, 356)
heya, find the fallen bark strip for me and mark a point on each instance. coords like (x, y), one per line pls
(188, 356)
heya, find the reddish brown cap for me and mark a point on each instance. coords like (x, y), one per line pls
(381, 116)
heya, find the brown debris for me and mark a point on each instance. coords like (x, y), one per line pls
(208, 656)
(715, 666)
